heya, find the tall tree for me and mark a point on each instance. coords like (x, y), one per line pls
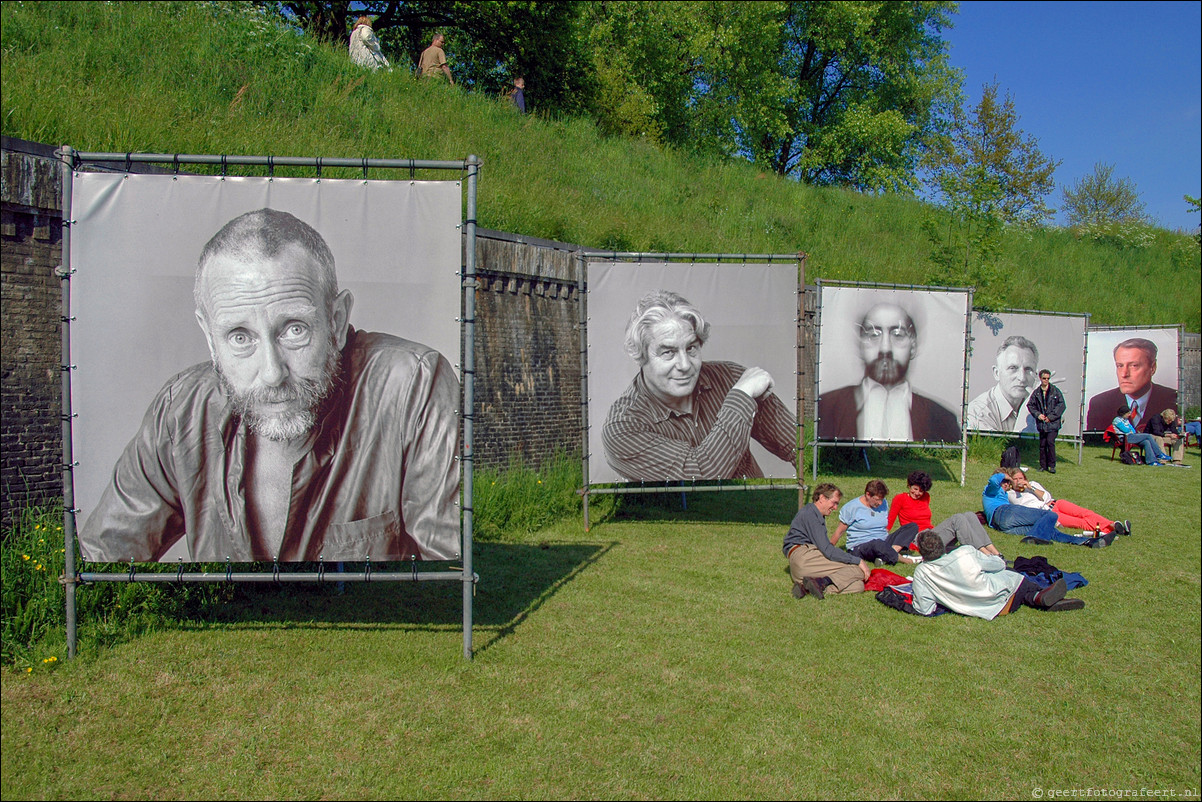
(986, 173)
(986, 142)
(1099, 198)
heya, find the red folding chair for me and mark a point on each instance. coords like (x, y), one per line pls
(1118, 441)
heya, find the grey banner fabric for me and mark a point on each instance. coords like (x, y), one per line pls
(891, 364)
(752, 312)
(1008, 351)
(136, 240)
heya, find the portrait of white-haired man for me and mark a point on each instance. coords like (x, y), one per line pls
(1003, 407)
(302, 438)
(883, 405)
(1134, 367)
(684, 418)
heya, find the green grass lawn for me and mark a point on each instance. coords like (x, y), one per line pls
(659, 655)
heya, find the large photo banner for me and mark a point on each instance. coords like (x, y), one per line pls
(1133, 367)
(891, 364)
(692, 371)
(267, 369)
(1008, 351)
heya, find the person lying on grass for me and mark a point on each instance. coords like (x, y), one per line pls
(1039, 525)
(1026, 493)
(969, 582)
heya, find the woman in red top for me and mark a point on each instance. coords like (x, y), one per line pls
(913, 506)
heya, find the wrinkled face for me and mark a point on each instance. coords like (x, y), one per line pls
(886, 344)
(916, 492)
(1015, 374)
(826, 504)
(673, 361)
(274, 341)
(1134, 369)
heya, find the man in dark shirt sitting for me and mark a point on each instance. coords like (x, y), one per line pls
(816, 565)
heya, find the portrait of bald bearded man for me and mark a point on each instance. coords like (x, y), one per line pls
(683, 418)
(301, 439)
(883, 406)
(1134, 367)
(1003, 407)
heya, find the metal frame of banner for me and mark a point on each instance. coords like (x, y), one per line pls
(1079, 439)
(470, 167)
(583, 257)
(962, 446)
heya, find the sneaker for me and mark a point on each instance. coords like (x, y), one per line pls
(1051, 594)
(1127, 526)
(813, 587)
(1101, 542)
(913, 559)
(1051, 470)
(799, 591)
(1064, 605)
(878, 562)
(1120, 528)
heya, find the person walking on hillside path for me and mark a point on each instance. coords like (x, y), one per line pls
(433, 61)
(365, 47)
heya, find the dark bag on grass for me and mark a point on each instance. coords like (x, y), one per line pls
(1010, 457)
(1131, 458)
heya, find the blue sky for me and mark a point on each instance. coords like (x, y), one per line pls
(1114, 82)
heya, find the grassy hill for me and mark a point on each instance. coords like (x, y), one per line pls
(224, 78)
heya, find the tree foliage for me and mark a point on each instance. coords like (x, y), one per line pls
(840, 93)
(1099, 198)
(489, 42)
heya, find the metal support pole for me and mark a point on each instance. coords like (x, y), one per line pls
(801, 378)
(582, 320)
(469, 387)
(64, 274)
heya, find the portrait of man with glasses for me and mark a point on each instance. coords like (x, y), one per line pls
(883, 405)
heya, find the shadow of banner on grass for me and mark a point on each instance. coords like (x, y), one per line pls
(515, 580)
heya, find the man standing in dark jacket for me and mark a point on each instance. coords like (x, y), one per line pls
(1046, 404)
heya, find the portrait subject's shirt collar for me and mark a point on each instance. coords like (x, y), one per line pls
(884, 413)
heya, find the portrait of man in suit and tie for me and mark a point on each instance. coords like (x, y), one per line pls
(1135, 365)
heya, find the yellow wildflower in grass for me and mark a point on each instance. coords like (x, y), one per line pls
(25, 557)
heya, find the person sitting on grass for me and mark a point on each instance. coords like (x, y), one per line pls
(1026, 493)
(1039, 525)
(815, 564)
(865, 520)
(1122, 423)
(913, 506)
(970, 582)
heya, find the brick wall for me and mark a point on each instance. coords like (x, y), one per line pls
(30, 327)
